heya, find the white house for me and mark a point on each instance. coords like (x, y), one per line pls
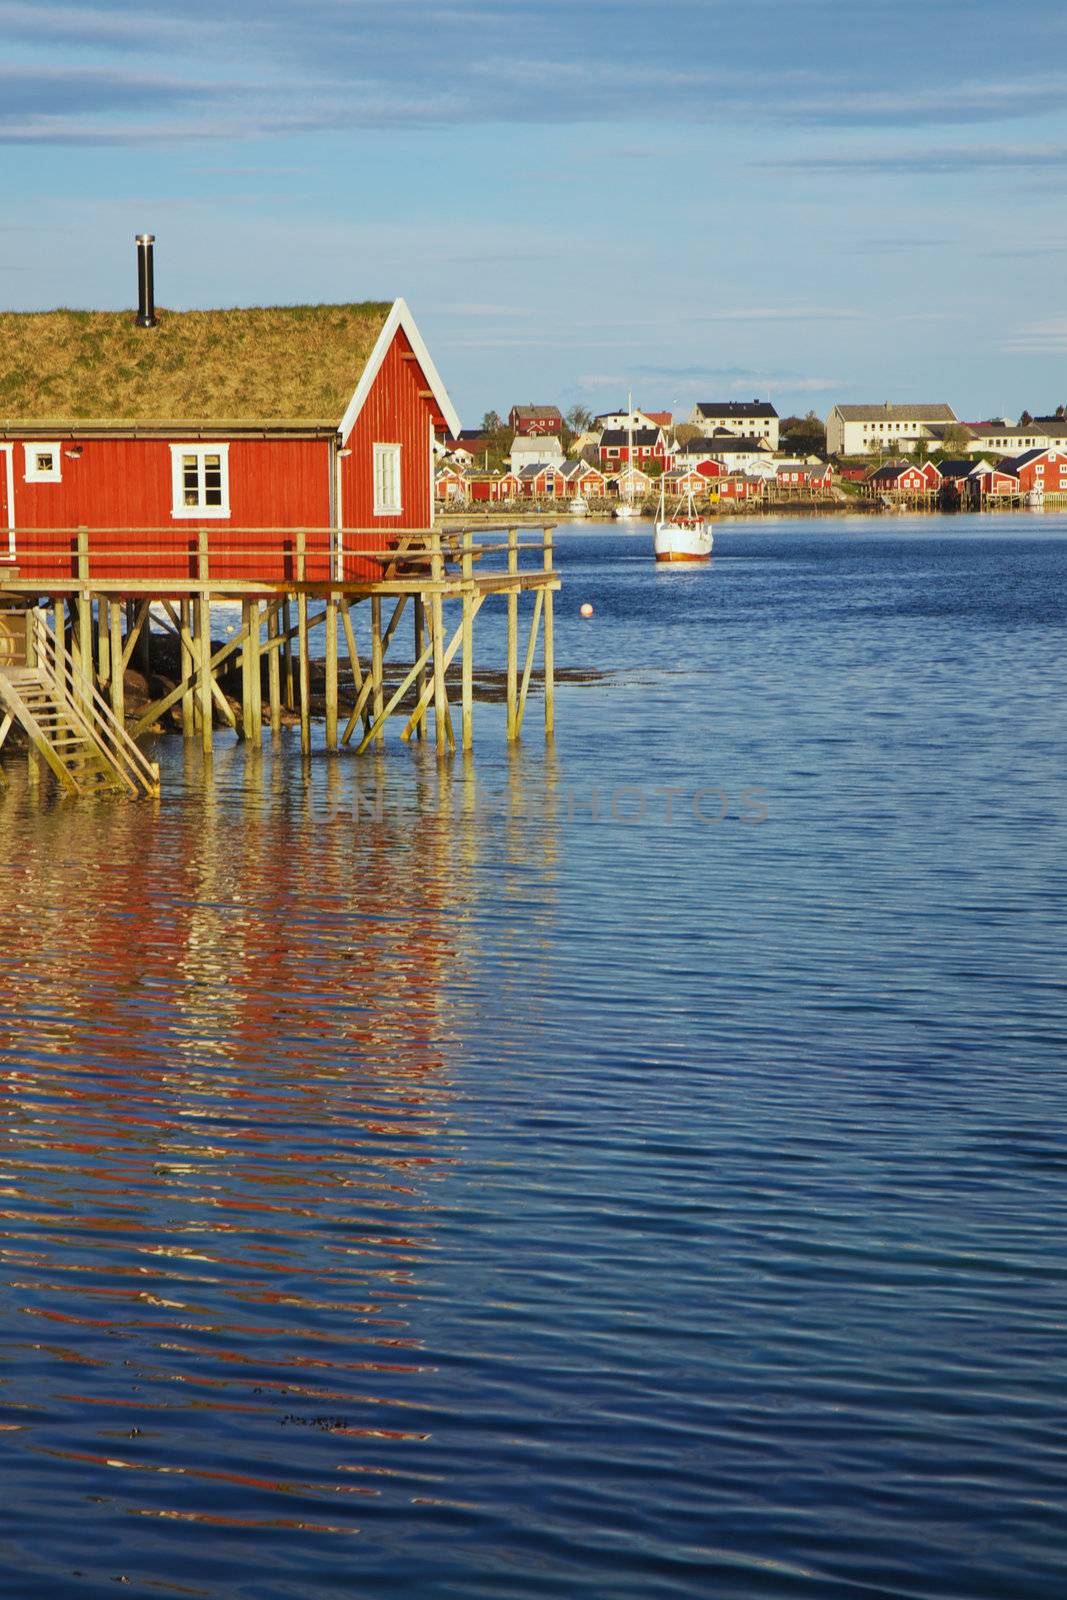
(881, 430)
(756, 418)
(528, 452)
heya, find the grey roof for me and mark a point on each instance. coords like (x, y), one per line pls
(622, 435)
(724, 444)
(536, 413)
(578, 469)
(735, 408)
(892, 413)
(958, 467)
(535, 469)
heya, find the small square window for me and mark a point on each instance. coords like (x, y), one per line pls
(42, 463)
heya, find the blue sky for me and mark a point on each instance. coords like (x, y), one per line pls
(804, 200)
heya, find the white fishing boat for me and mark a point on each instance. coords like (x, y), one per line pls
(626, 510)
(1036, 498)
(684, 536)
(578, 506)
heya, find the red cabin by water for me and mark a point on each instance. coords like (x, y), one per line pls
(250, 423)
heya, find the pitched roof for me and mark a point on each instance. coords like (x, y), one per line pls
(261, 363)
(893, 413)
(959, 467)
(612, 436)
(536, 413)
(536, 468)
(736, 408)
(724, 444)
(579, 468)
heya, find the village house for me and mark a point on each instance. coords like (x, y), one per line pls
(532, 450)
(999, 439)
(493, 487)
(583, 480)
(533, 422)
(901, 479)
(632, 484)
(876, 430)
(542, 481)
(753, 418)
(740, 486)
(1042, 470)
(270, 418)
(649, 444)
(632, 419)
(451, 484)
(684, 481)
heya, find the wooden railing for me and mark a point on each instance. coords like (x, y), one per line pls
(220, 557)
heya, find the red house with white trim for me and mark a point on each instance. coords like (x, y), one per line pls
(250, 423)
(1046, 469)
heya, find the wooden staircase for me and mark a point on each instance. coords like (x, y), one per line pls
(68, 723)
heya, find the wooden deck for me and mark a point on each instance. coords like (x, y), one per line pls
(103, 598)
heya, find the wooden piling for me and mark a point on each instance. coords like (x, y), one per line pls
(437, 629)
(246, 669)
(256, 686)
(203, 646)
(303, 662)
(513, 638)
(331, 672)
(287, 634)
(118, 676)
(468, 639)
(274, 669)
(549, 641)
(185, 615)
(377, 664)
(420, 646)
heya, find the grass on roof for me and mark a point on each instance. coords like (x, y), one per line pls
(260, 362)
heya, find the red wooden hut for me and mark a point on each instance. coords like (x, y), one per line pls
(249, 423)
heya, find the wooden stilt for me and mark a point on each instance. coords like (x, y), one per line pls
(185, 613)
(203, 649)
(420, 646)
(246, 670)
(549, 645)
(304, 663)
(85, 610)
(331, 672)
(118, 677)
(274, 669)
(513, 637)
(377, 664)
(357, 671)
(103, 642)
(257, 673)
(528, 664)
(468, 640)
(287, 630)
(437, 627)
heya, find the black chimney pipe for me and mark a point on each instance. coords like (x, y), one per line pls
(146, 288)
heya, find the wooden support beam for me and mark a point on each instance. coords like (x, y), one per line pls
(549, 647)
(418, 669)
(420, 646)
(246, 669)
(185, 625)
(203, 644)
(423, 703)
(118, 677)
(437, 631)
(287, 630)
(256, 620)
(528, 666)
(274, 668)
(377, 659)
(513, 637)
(304, 664)
(468, 640)
(331, 673)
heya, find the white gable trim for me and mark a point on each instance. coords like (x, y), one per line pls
(399, 318)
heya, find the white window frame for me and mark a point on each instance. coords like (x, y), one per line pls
(32, 473)
(178, 508)
(383, 507)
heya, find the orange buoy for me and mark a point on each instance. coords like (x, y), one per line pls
(586, 609)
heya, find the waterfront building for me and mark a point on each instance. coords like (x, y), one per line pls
(1044, 470)
(451, 484)
(542, 481)
(271, 418)
(534, 422)
(648, 444)
(582, 478)
(874, 430)
(754, 418)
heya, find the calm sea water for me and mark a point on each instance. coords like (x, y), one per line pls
(633, 1171)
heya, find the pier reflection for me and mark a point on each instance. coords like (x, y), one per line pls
(227, 1113)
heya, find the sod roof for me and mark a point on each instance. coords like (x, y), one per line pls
(297, 364)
